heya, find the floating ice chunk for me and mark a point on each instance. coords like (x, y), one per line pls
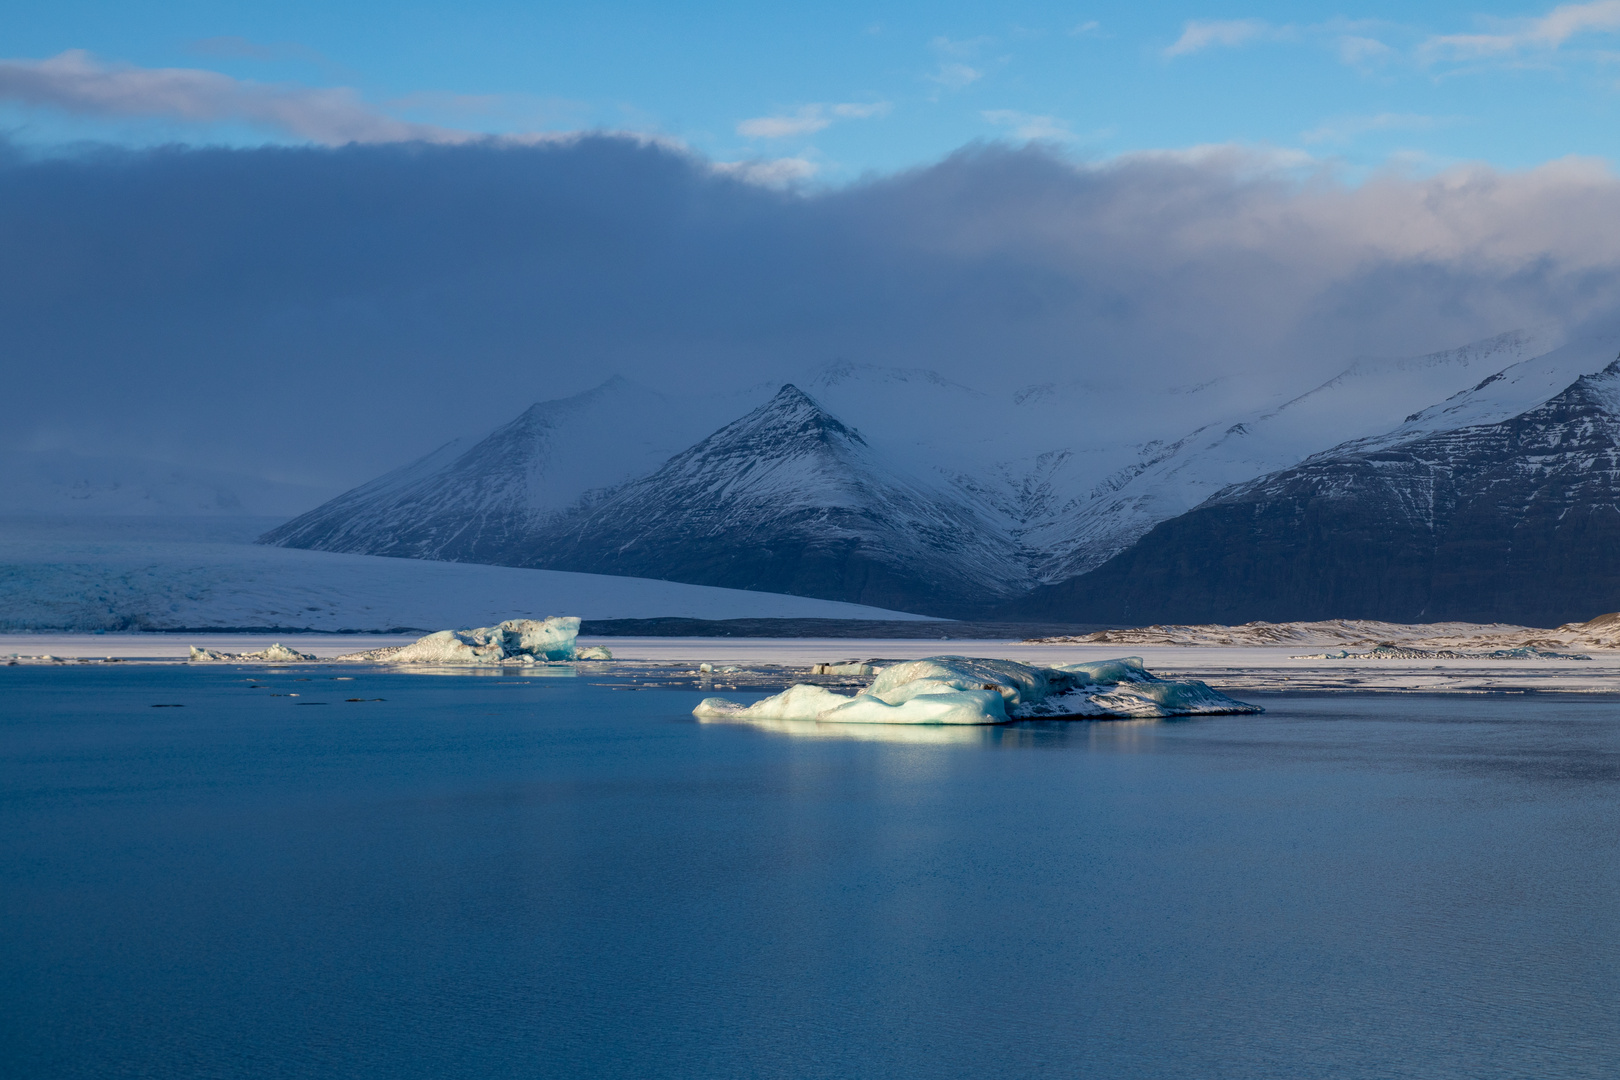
(1126, 669)
(513, 641)
(801, 702)
(846, 667)
(940, 705)
(972, 690)
(276, 652)
(543, 639)
(593, 652)
(1137, 698)
(1014, 682)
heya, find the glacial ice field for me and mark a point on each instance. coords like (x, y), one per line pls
(88, 575)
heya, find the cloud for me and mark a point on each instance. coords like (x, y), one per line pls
(968, 47)
(1546, 32)
(76, 82)
(1200, 34)
(1089, 28)
(1346, 128)
(809, 119)
(954, 76)
(327, 313)
(1028, 126)
(1358, 51)
(774, 172)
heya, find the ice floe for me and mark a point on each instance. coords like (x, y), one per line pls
(276, 652)
(515, 641)
(520, 641)
(970, 690)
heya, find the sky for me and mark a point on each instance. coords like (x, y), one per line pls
(313, 241)
(834, 90)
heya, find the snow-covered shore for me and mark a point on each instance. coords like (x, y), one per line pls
(777, 661)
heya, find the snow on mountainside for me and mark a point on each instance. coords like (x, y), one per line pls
(1169, 478)
(790, 499)
(1516, 519)
(893, 486)
(476, 503)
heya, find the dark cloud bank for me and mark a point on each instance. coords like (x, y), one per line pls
(321, 315)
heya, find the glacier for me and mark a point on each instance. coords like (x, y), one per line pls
(141, 574)
(962, 690)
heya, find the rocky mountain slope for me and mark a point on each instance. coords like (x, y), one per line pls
(1514, 519)
(479, 501)
(789, 499)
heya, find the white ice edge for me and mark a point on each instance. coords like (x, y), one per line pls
(961, 690)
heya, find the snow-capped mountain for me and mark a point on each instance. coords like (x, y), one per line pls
(896, 486)
(790, 499)
(1516, 517)
(1082, 531)
(480, 502)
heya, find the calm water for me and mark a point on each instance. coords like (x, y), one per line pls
(493, 876)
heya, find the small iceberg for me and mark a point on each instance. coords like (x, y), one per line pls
(969, 690)
(515, 641)
(275, 653)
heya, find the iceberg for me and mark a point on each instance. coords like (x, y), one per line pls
(522, 641)
(276, 652)
(972, 690)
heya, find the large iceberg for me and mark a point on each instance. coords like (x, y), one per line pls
(969, 690)
(523, 641)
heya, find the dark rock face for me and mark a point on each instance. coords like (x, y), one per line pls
(1517, 521)
(787, 499)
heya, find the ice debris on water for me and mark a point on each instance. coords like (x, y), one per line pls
(276, 652)
(970, 690)
(519, 641)
(1396, 652)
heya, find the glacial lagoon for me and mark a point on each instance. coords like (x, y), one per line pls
(310, 872)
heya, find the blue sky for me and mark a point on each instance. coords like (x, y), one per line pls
(834, 90)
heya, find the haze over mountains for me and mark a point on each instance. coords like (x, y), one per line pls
(903, 489)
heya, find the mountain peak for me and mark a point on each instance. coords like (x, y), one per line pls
(791, 416)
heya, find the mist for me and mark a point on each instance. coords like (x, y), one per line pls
(316, 316)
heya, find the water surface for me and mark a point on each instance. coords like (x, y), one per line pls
(511, 876)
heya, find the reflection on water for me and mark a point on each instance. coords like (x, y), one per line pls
(1117, 734)
(939, 734)
(509, 671)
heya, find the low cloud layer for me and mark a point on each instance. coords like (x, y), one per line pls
(323, 314)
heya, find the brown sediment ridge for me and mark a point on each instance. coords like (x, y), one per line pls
(1602, 632)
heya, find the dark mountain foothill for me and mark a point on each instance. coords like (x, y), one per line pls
(1517, 521)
